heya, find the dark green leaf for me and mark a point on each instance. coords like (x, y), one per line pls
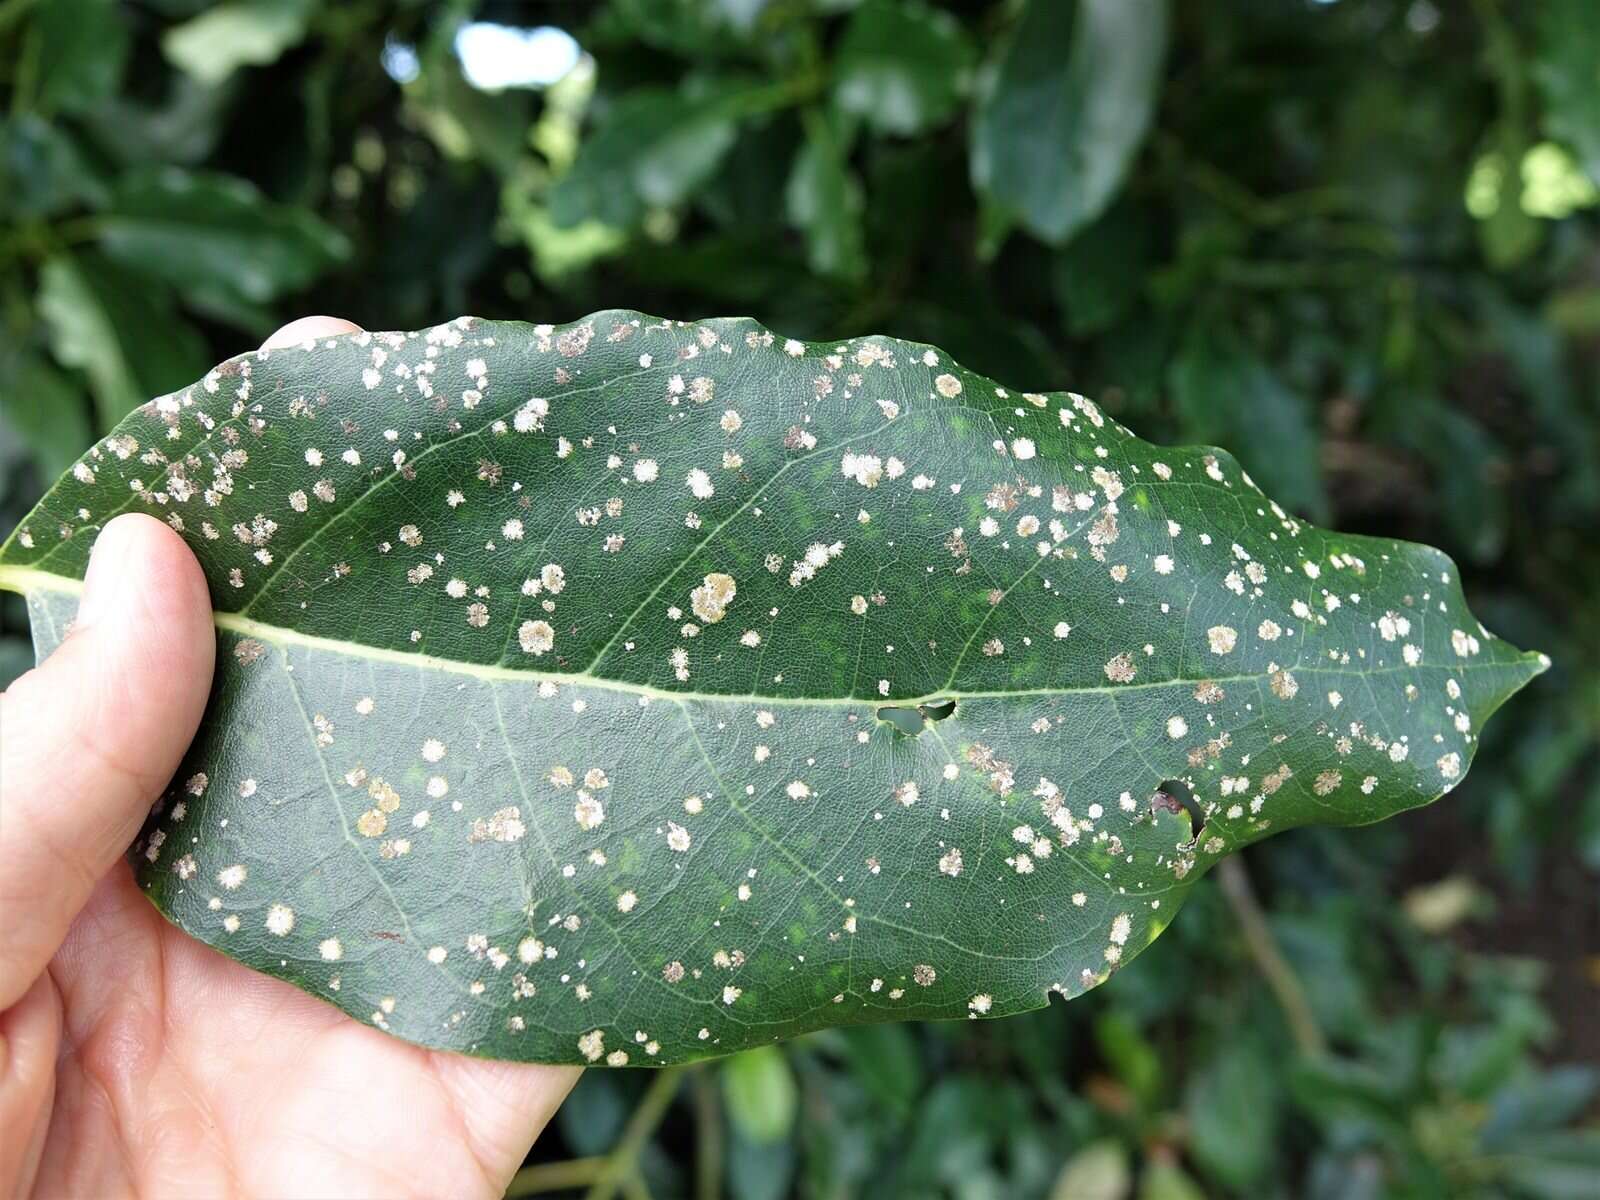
(1567, 70)
(1540, 1102)
(1232, 1108)
(16, 657)
(1099, 275)
(43, 407)
(1052, 146)
(653, 148)
(216, 236)
(902, 66)
(760, 1170)
(1554, 1166)
(42, 170)
(1224, 393)
(885, 1062)
(183, 129)
(83, 46)
(119, 329)
(824, 201)
(545, 723)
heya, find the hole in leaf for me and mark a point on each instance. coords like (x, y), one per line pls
(911, 721)
(907, 720)
(1173, 795)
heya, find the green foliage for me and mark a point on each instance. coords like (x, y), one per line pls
(1066, 110)
(1318, 196)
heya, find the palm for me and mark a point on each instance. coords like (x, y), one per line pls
(183, 1073)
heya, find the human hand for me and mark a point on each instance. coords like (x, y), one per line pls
(134, 1060)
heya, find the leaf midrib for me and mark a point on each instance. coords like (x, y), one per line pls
(26, 580)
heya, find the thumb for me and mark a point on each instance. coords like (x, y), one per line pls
(91, 737)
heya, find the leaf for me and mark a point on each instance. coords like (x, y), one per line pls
(252, 33)
(1232, 1108)
(43, 171)
(1053, 145)
(885, 1062)
(216, 236)
(761, 1095)
(1098, 277)
(653, 148)
(824, 200)
(1566, 69)
(902, 67)
(43, 407)
(547, 722)
(83, 47)
(1165, 1180)
(1224, 392)
(118, 329)
(1097, 1172)
(1130, 1055)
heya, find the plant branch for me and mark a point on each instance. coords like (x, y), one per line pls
(1285, 984)
(708, 1136)
(622, 1163)
(555, 1177)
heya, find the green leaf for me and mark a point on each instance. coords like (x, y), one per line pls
(42, 406)
(902, 67)
(217, 237)
(119, 329)
(884, 1061)
(1098, 277)
(43, 171)
(1130, 1055)
(1232, 1108)
(653, 148)
(1567, 71)
(549, 716)
(1053, 145)
(253, 33)
(1164, 1180)
(824, 200)
(761, 1095)
(1224, 392)
(83, 47)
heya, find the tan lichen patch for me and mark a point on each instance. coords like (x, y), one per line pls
(711, 599)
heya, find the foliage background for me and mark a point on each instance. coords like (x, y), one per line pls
(1356, 241)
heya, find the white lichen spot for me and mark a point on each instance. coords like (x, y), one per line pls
(1222, 639)
(536, 637)
(280, 920)
(231, 878)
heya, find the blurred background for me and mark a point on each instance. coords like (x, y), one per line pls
(1355, 241)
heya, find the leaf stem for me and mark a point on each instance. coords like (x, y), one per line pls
(1285, 984)
(708, 1137)
(556, 1176)
(622, 1163)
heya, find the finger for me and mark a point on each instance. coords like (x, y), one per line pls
(90, 738)
(510, 1103)
(308, 329)
(30, 1035)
